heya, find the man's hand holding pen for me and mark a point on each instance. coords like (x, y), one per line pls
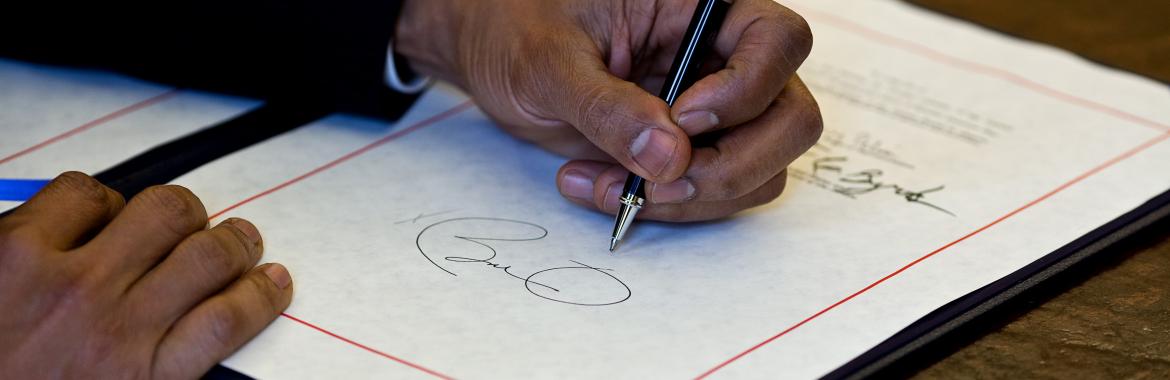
(579, 77)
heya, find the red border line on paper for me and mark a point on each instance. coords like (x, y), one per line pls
(367, 348)
(1083, 176)
(914, 47)
(379, 142)
(96, 122)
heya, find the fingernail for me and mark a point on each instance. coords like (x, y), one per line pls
(577, 185)
(680, 190)
(653, 150)
(278, 275)
(613, 195)
(696, 122)
(247, 228)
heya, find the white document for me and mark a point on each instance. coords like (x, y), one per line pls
(55, 119)
(439, 247)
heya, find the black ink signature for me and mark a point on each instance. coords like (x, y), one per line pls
(867, 181)
(539, 283)
(862, 143)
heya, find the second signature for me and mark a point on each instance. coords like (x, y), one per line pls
(852, 184)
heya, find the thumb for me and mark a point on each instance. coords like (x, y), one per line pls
(631, 125)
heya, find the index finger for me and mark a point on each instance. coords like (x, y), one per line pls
(149, 227)
(67, 211)
(764, 43)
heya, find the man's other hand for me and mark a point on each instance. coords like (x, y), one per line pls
(94, 287)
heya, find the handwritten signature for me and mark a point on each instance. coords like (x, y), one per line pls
(863, 143)
(575, 284)
(868, 181)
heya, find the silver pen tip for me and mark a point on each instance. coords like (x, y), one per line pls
(623, 219)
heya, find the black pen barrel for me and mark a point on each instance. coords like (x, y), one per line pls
(696, 45)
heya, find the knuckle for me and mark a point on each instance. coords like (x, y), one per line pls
(772, 190)
(88, 190)
(610, 118)
(78, 181)
(211, 255)
(232, 236)
(177, 207)
(596, 107)
(800, 34)
(727, 180)
(793, 40)
(812, 126)
(727, 187)
(225, 322)
(269, 292)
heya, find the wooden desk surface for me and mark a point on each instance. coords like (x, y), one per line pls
(1116, 324)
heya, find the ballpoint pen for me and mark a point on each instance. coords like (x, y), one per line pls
(696, 45)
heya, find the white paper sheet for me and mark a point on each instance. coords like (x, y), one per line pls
(56, 119)
(1001, 151)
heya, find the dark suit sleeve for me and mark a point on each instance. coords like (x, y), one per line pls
(331, 52)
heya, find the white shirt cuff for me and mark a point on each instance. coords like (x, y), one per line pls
(394, 78)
